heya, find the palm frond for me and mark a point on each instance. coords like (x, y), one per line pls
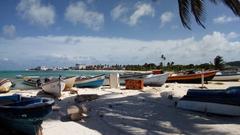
(197, 8)
(234, 5)
(184, 13)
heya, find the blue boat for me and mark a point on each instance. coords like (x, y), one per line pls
(24, 114)
(216, 101)
(90, 82)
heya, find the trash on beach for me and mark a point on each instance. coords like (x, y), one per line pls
(76, 113)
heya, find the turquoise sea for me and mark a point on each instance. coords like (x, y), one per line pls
(19, 85)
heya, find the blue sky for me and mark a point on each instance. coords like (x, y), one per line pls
(64, 32)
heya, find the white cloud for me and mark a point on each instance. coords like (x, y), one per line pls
(142, 9)
(36, 13)
(132, 16)
(166, 17)
(9, 31)
(78, 13)
(119, 12)
(98, 50)
(225, 19)
(232, 35)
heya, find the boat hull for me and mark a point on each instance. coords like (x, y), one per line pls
(226, 78)
(54, 88)
(24, 115)
(192, 78)
(5, 85)
(90, 83)
(208, 107)
(155, 80)
(69, 82)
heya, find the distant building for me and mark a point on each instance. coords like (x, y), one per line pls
(41, 68)
(80, 67)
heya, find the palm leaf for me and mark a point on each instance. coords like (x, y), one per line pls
(184, 13)
(197, 9)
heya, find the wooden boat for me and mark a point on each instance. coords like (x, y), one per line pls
(192, 77)
(222, 102)
(54, 87)
(33, 81)
(19, 76)
(224, 76)
(90, 82)
(129, 76)
(69, 82)
(155, 79)
(5, 85)
(24, 114)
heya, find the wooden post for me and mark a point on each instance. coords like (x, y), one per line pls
(202, 76)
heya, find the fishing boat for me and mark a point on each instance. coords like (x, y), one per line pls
(89, 82)
(5, 85)
(24, 114)
(69, 82)
(192, 77)
(226, 76)
(54, 87)
(155, 79)
(218, 101)
(19, 76)
(33, 81)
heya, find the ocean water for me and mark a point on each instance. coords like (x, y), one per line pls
(19, 82)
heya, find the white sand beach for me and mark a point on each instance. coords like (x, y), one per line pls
(133, 112)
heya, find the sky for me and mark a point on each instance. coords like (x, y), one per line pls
(65, 32)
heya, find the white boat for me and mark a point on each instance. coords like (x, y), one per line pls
(69, 82)
(54, 87)
(226, 77)
(5, 85)
(149, 79)
(222, 102)
(155, 79)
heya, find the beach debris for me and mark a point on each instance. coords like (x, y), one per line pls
(85, 97)
(134, 84)
(77, 113)
(72, 91)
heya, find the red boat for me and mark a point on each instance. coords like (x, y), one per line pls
(192, 77)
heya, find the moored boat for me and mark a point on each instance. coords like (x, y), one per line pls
(24, 114)
(54, 87)
(224, 76)
(5, 85)
(90, 82)
(69, 82)
(192, 77)
(222, 102)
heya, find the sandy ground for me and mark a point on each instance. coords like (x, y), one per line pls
(133, 112)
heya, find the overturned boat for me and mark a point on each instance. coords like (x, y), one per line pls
(5, 85)
(24, 114)
(218, 101)
(89, 82)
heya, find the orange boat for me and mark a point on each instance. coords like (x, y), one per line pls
(192, 77)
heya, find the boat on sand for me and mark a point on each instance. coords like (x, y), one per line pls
(69, 82)
(24, 114)
(89, 82)
(5, 85)
(191, 77)
(226, 76)
(54, 87)
(216, 101)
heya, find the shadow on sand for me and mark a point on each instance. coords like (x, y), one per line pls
(143, 114)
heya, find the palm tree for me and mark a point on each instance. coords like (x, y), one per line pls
(196, 8)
